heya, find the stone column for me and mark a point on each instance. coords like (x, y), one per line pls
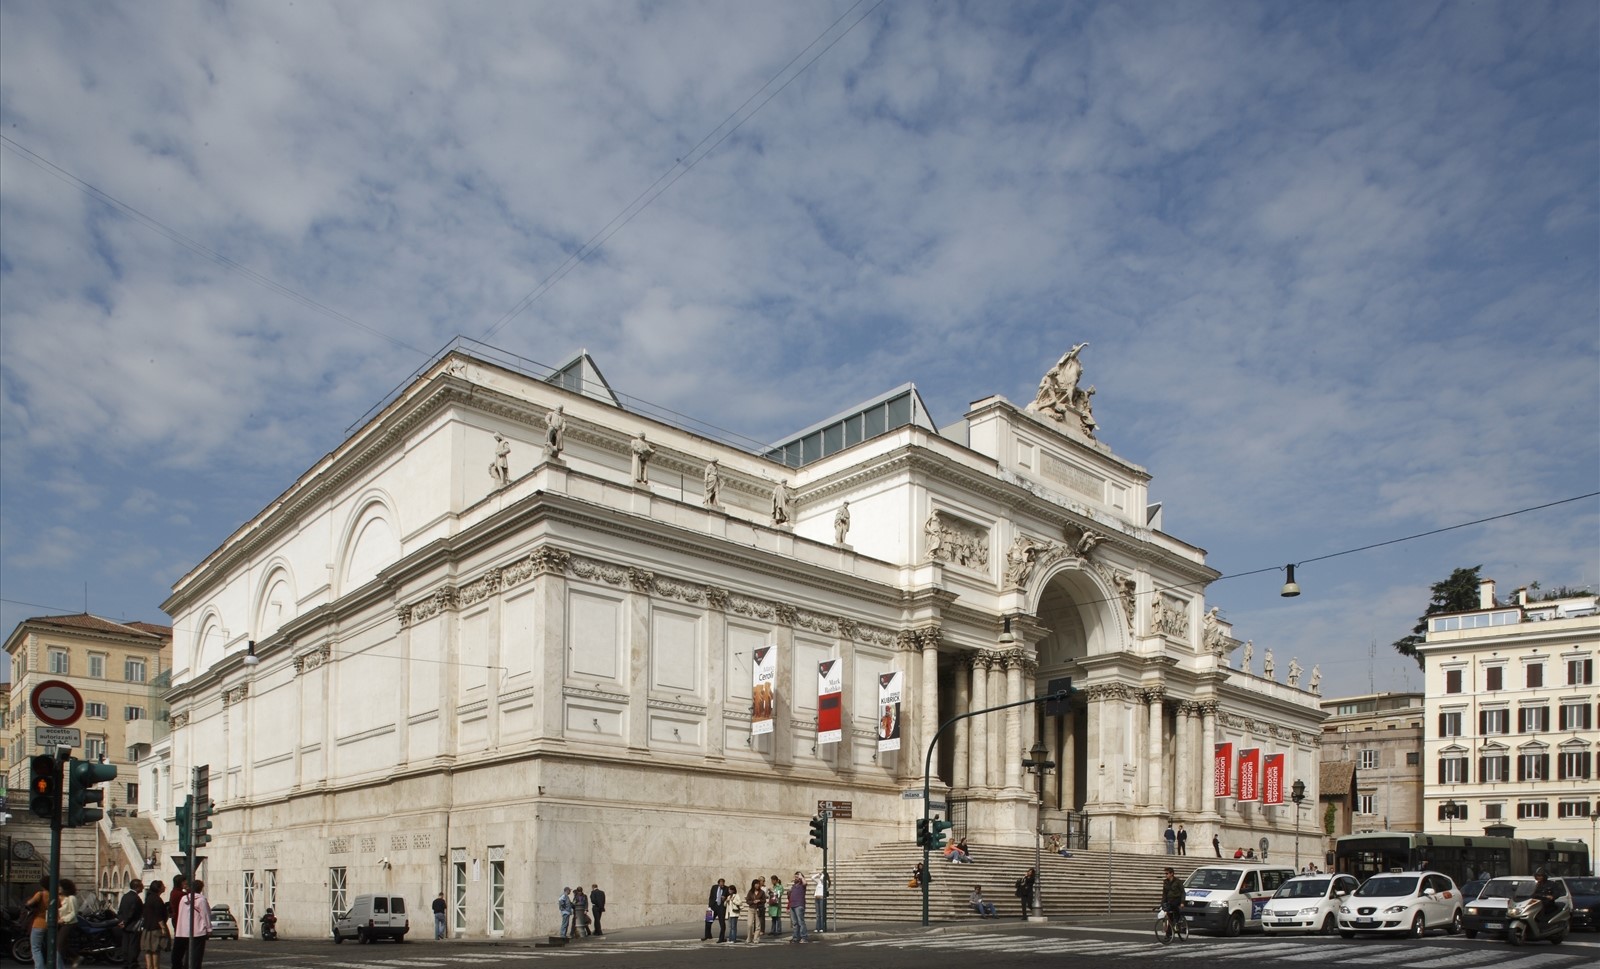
(1013, 753)
(995, 749)
(963, 729)
(979, 746)
(1068, 759)
(928, 698)
(1208, 750)
(909, 763)
(1182, 792)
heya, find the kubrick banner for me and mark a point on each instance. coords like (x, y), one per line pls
(765, 671)
(889, 711)
(1222, 771)
(1272, 779)
(830, 698)
(1250, 774)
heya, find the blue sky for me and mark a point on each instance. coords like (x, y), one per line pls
(1336, 262)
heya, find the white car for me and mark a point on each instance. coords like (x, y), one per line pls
(1308, 903)
(1411, 902)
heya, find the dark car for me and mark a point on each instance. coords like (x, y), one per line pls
(223, 925)
(1585, 903)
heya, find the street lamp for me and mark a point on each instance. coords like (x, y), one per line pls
(1450, 808)
(1038, 764)
(1297, 793)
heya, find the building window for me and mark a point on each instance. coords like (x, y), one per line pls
(1533, 719)
(1452, 681)
(1574, 765)
(1533, 767)
(94, 748)
(1455, 806)
(1535, 675)
(1494, 812)
(1572, 809)
(1532, 810)
(1413, 758)
(133, 795)
(1369, 759)
(1494, 722)
(133, 713)
(60, 662)
(1494, 678)
(1575, 716)
(1495, 768)
(1580, 672)
(133, 670)
(1453, 770)
(94, 710)
(97, 665)
(1364, 804)
(1450, 724)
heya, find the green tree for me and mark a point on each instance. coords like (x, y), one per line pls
(1328, 818)
(1459, 593)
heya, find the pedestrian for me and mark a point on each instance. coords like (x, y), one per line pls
(775, 896)
(1216, 844)
(1183, 841)
(580, 911)
(916, 877)
(194, 924)
(735, 908)
(1025, 886)
(797, 908)
(66, 918)
(438, 917)
(820, 893)
(1171, 838)
(756, 898)
(982, 906)
(717, 911)
(564, 906)
(1238, 853)
(180, 946)
(38, 906)
(597, 905)
(130, 912)
(154, 922)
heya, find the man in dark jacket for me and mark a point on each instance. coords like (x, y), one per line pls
(597, 905)
(717, 904)
(130, 912)
(1025, 886)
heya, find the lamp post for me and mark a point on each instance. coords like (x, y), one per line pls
(1038, 764)
(1450, 814)
(1297, 793)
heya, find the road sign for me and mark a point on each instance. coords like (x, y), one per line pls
(915, 794)
(57, 703)
(49, 738)
(839, 809)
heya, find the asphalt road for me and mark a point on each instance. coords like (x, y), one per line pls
(975, 945)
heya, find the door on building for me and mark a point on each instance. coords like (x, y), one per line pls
(338, 899)
(458, 894)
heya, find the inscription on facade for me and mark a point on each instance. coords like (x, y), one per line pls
(1069, 474)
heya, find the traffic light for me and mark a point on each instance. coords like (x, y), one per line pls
(203, 809)
(83, 798)
(44, 786)
(936, 833)
(922, 832)
(182, 822)
(819, 831)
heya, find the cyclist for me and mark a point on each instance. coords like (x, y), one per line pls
(1172, 895)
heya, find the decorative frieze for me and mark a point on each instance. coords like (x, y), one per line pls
(604, 571)
(787, 614)
(683, 591)
(958, 542)
(480, 588)
(717, 598)
(1109, 691)
(642, 580)
(178, 720)
(313, 658)
(433, 605)
(746, 606)
(1169, 617)
(235, 695)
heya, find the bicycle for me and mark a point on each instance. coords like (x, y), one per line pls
(1169, 924)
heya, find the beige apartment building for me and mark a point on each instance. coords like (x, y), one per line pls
(114, 666)
(1380, 735)
(1512, 717)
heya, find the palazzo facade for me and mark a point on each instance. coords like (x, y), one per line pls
(501, 641)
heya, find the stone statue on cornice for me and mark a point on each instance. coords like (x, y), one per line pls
(1059, 397)
(642, 453)
(555, 433)
(713, 484)
(500, 467)
(841, 524)
(780, 503)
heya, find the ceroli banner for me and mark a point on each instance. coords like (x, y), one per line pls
(889, 711)
(765, 672)
(1222, 771)
(1272, 779)
(830, 697)
(1250, 774)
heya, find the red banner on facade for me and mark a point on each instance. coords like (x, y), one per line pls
(1250, 774)
(830, 697)
(1272, 779)
(1222, 771)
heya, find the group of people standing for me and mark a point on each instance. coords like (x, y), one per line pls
(1177, 841)
(576, 908)
(149, 922)
(766, 903)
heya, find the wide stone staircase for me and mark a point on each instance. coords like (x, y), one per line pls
(871, 887)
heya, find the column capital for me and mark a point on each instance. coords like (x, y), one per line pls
(1153, 695)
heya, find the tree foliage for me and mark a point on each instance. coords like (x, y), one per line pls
(1459, 593)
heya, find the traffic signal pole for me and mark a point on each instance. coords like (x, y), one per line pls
(927, 776)
(63, 755)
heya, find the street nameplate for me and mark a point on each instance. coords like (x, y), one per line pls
(53, 737)
(839, 809)
(915, 795)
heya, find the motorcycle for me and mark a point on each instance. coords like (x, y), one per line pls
(269, 927)
(1522, 924)
(96, 937)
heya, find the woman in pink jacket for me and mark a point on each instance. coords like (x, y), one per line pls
(194, 924)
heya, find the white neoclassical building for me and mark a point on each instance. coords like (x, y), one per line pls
(508, 633)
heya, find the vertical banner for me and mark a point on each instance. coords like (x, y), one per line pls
(1272, 779)
(1222, 771)
(1250, 774)
(765, 671)
(830, 696)
(889, 711)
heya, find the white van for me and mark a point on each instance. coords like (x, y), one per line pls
(373, 917)
(1229, 898)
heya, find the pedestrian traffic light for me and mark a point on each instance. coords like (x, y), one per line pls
(182, 823)
(819, 831)
(44, 786)
(936, 834)
(922, 832)
(83, 797)
(202, 821)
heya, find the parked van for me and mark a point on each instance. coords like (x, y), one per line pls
(1229, 898)
(373, 917)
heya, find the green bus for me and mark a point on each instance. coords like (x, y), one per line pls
(1462, 857)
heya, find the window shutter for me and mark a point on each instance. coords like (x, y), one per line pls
(1441, 770)
(1522, 768)
(1544, 766)
(1483, 770)
(1483, 722)
(1522, 720)
(1441, 725)
(1588, 671)
(1584, 763)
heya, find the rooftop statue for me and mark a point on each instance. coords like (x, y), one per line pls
(1059, 397)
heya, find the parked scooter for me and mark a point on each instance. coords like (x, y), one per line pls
(269, 926)
(1522, 923)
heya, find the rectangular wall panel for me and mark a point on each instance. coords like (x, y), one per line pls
(517, 633)
(675, 664)
(743, 641)
(473, 654)
(595, 635)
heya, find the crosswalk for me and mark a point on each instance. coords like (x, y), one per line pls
(1319, 951)
(466, 959)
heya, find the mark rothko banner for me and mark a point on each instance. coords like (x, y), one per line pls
(1272, 779)
(765, 672)
(1222, 771)
(830, 697)
(1250, 774)
(889, 711)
